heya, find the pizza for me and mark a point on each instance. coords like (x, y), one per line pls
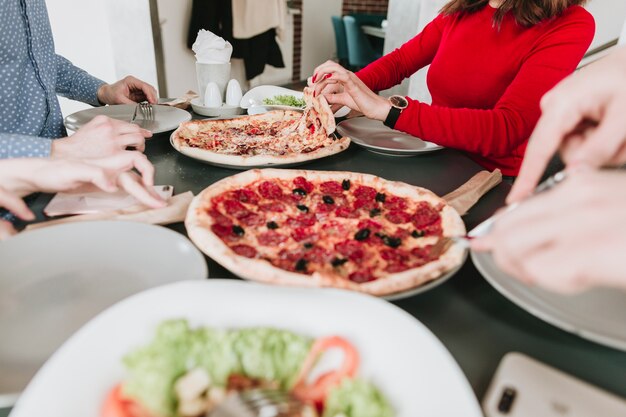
(274, 138)
(325, 229)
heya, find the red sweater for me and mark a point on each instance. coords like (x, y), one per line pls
(486, 84)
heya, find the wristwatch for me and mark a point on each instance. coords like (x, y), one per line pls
(398, 103)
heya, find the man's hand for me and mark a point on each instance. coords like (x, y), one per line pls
(24, 176)
(567, 239)
(583, 116)
(100, 138)
(128, 90)
(341, 87)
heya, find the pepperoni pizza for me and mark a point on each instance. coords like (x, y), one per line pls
(332, 229)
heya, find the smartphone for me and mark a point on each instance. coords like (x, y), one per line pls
(64, 204)
(525, 387)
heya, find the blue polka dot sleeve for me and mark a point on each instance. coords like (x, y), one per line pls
(75, 83)
(23, 146)
(31, 76)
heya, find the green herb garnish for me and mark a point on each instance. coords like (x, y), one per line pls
(285, 100)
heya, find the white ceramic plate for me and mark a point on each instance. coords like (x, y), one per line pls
(378, 138)
(166, 118)
(224, 111)
(401, 356)
(256, 95)
(596, 315)
(53, 280)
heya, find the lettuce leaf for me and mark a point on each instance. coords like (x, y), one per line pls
(356, 398)
(270, 354)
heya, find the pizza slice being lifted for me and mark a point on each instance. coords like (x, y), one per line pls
(269, 139)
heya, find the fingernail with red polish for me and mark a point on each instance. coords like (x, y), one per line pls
(327, 76)
(314, 77)
(314, 93)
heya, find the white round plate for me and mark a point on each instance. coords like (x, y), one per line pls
(596, 315)
(378, 138)
(166, 118)
(256, 95)
(224, 111)
(53, 280)
(398, 353)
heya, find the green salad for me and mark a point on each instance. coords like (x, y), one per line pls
(155, 370)
(285, 100)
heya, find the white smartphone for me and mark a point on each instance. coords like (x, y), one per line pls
(524, 387)
(64, 204)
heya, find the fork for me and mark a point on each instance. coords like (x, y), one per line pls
(257, 402)
(146, 109)
(444, 243)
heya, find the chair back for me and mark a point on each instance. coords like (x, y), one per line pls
(340, 39)
(360, 51)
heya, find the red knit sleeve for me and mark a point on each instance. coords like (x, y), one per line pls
(403, 62)
(501, 131)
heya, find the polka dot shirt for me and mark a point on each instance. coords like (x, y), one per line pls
(31, 76)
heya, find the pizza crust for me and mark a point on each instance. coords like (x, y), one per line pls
(198, 225)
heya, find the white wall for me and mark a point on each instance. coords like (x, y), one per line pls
(180, 69)
(318, 37)
(109, 39)
(610, 16)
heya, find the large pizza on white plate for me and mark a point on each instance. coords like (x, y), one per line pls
(280, 137)
(325, 229)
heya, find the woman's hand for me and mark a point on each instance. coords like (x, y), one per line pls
(567, 239)
(583, 117)
(341, 87)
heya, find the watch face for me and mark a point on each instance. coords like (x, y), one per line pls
(399, 102)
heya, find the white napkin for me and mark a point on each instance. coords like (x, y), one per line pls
(211, 49)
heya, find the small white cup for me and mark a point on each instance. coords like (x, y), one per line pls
(217, 73)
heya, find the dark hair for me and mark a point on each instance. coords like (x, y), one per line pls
(526, 12)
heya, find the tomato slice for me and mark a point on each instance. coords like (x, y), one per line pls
(318, 390)
(115, 405)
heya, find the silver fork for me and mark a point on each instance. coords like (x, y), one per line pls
(444, 243)
(147, 111)
(257, 402)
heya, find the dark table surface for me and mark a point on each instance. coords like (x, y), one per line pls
(477, 324)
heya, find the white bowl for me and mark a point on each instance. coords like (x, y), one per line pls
(264, 108)
(255, 96)
(223, 111)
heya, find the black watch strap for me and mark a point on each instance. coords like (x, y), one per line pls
(392, 117)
